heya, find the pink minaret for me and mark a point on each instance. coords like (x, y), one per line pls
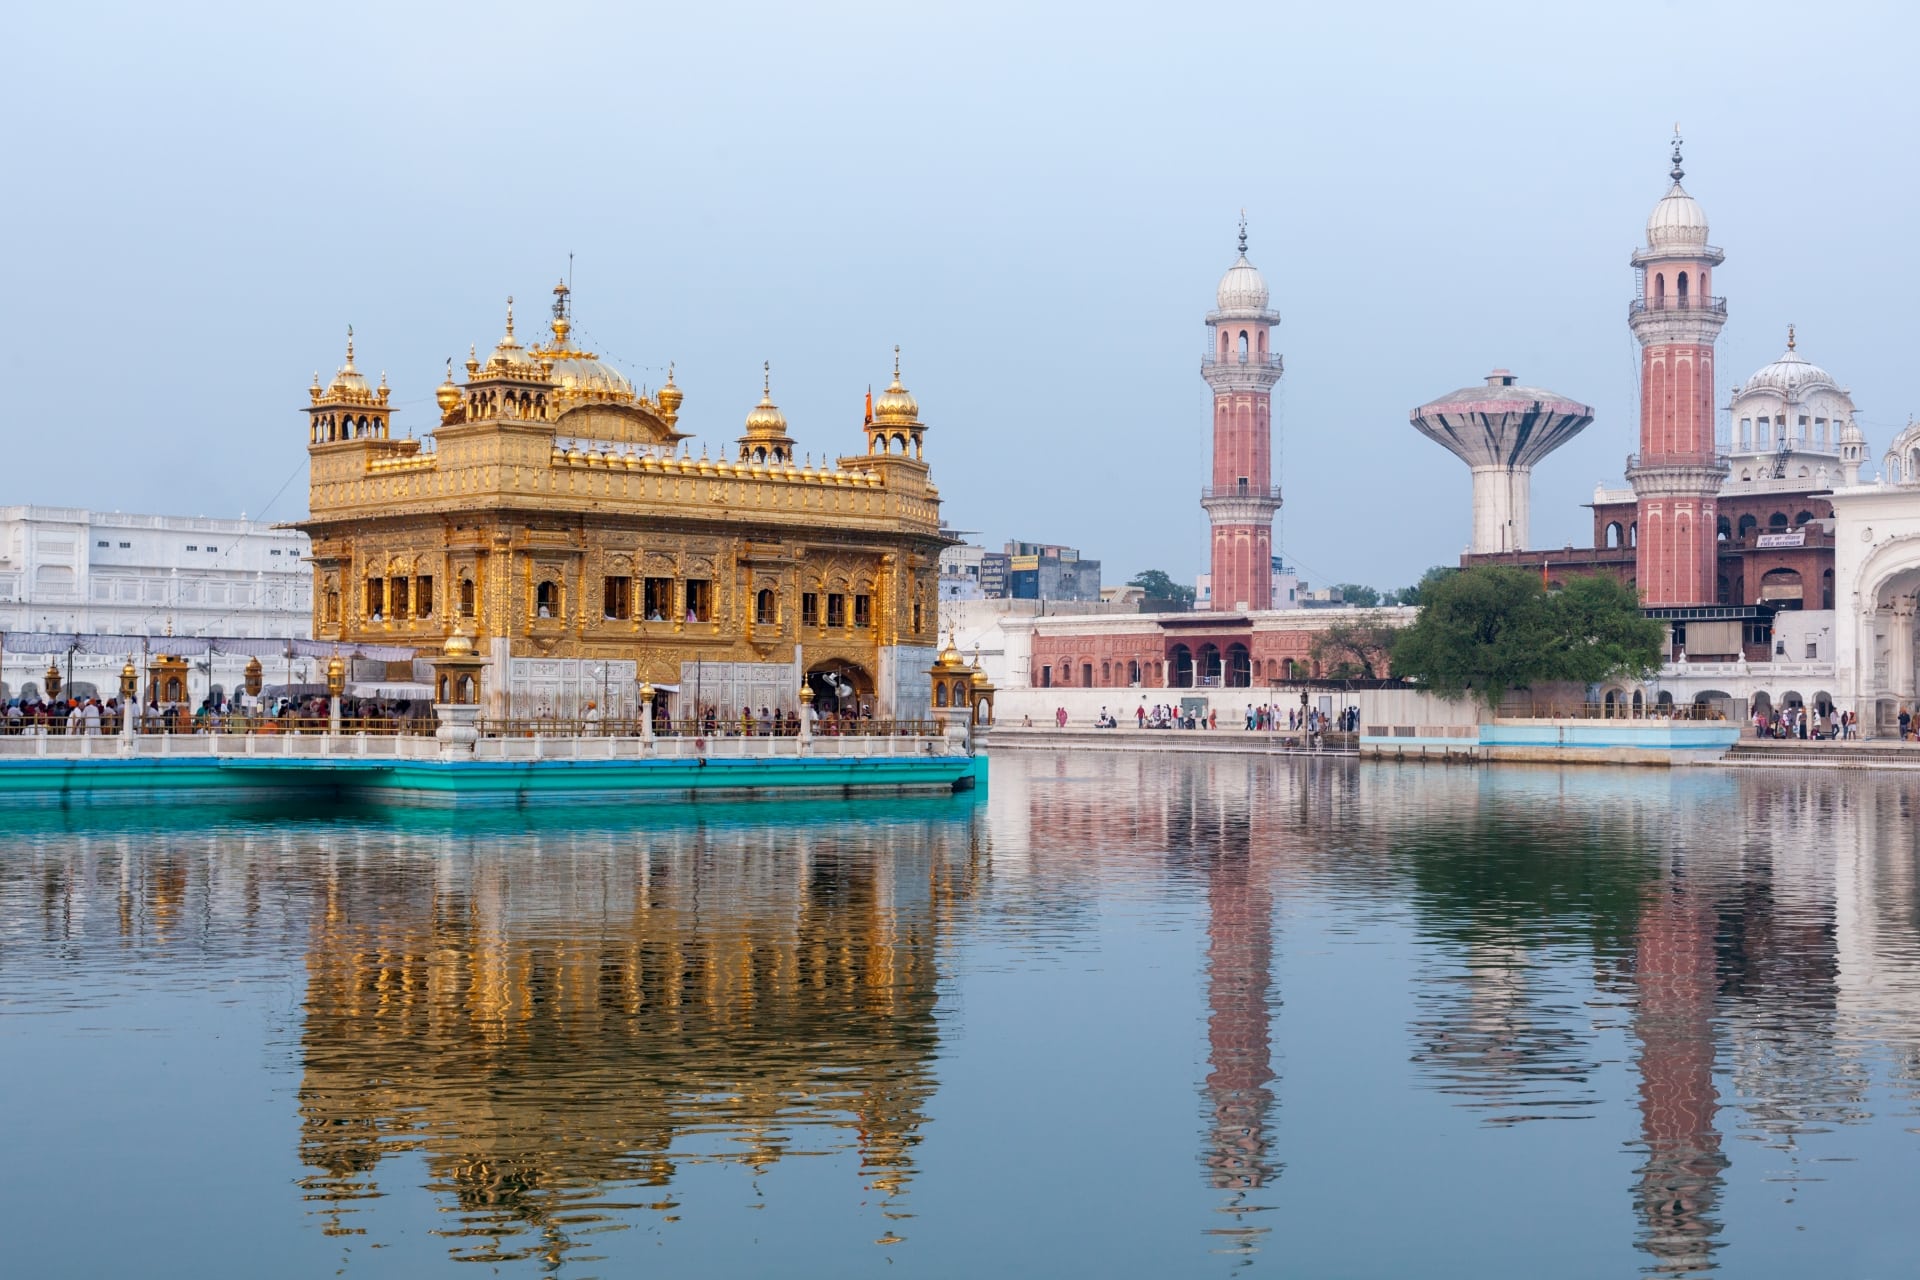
(1241, 498)
(1677, 475)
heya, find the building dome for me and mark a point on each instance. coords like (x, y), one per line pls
(1242, 288)
(580, 373)
(765, 418)
(348, 378)
(508, 350)
(1790, 375)
(896, 406)
(1677, 222)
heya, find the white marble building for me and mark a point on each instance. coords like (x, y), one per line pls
(66, 569)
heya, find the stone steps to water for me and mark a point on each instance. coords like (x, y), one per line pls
(1863, 754)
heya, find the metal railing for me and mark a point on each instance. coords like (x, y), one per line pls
(158, 722)
(712, 727)
(1694, 303)
(1714, 459)
(1523, 710)
(1247, 359)
(1270, 493)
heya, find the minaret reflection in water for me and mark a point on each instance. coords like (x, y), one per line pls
(556, 1022)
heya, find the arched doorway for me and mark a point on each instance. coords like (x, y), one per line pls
(1781, 588)
(1180, 667)
(840, 688)
(1239, 667)
(1209, 665)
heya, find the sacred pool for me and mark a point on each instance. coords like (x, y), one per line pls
(1115, 1015)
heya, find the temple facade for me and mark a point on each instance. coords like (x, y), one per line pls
(557, 515)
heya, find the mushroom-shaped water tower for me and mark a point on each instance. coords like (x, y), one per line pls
(1500, 430)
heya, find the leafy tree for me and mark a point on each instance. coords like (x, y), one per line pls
(1356, 594)
(1159, 586)
(1360, 648)
(1486, 630)
(1602, 632)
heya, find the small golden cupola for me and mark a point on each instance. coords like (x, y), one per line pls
(347, 408)
(447, 396)
(766, 441)
(670, 398)
(895, 427)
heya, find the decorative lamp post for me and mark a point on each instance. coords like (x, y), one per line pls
(336, 685)
(456, 694)
(53, 681)
(254, 677)
(129, 697)
(646, 711)
(806, 713)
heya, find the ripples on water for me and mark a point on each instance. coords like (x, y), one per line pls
(1538, 1020)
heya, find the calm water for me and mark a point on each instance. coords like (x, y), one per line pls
(1124, 1016)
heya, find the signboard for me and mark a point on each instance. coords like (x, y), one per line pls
(1798, 538)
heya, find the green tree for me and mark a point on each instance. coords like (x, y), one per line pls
(1356, 594)
(1159, 586)
(1483, 631)
(1602, 632)
(1358, 649)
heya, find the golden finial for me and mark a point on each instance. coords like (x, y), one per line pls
(316, 379)
(349, 346)
(509, 315)
(1789, 337)
(896, 362)
(766, 378)
(383, 380)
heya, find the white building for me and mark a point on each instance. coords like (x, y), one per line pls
(65, 569)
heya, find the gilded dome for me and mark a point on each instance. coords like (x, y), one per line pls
(671, 397)
(896, 406)
(348, 378)
(508, 350)
(585, 375)
(457, 646)
(765, 418)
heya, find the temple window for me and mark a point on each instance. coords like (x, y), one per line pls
(397, 597)
(766, 607)
(423, 596)
(836, 609)
(863, 610)
(546, 600)
(466, 597)
(810, 609)
(333, 606)
(617, 598)
(376, 601)
(916, 617)
(658, 599)
(699, 600)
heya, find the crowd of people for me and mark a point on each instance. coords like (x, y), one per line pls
(245, 714)
(1818, 724)
(1271, 718)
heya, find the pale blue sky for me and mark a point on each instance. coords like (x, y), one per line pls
(1035, 201)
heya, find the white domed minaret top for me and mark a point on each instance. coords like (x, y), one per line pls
(1678, 221)
(1243, 291)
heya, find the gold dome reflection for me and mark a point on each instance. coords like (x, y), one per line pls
(557, 1024)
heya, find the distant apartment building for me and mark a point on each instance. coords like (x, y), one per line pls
(1044, 571)
(1023, 571)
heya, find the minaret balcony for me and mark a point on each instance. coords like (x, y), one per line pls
(1269, 493)
(1244, 360)
(1698, 303)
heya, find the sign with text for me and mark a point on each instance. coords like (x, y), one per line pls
(1798, 538)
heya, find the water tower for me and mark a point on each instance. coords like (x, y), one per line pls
(1500, 430)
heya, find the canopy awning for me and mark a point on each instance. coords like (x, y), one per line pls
(392, 690)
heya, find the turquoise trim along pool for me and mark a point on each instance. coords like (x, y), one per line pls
(42, 780)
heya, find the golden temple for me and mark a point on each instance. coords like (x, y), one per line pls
(557, 514)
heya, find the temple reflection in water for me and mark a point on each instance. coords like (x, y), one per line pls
(546, 1027)
(561, 1016)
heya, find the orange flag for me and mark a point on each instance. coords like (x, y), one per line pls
(869, 421)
